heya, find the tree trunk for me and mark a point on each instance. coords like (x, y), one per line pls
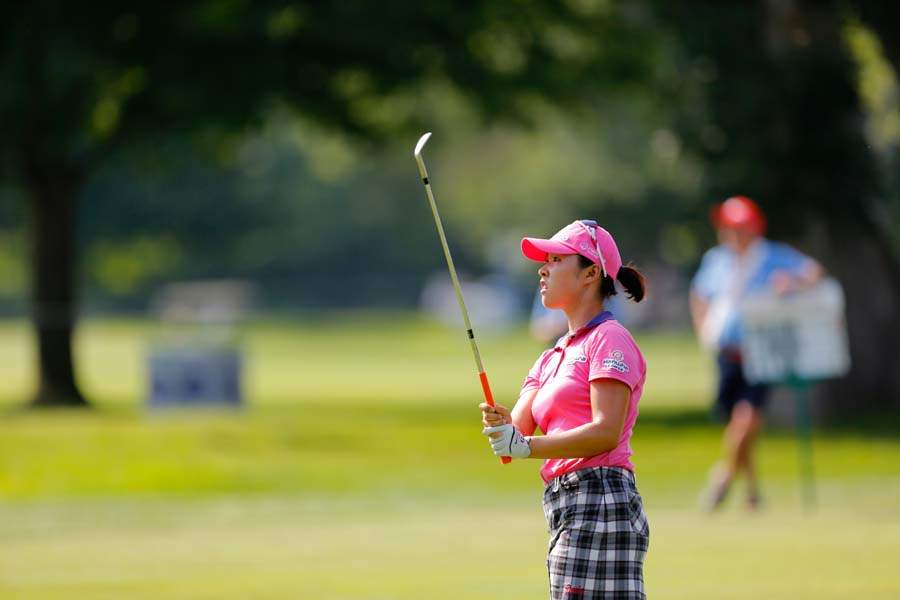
(824, 164)
(784, 93)
(862, 262)
(53, 191)
(53, 176)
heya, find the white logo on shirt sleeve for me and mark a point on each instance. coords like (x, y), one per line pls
(616, 361)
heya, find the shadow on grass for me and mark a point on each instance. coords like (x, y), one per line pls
(447, 412)
(872, 425)
(883, 425)
(677, 418)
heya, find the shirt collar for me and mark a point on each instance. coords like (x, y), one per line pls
(600, 318)
(757, 246)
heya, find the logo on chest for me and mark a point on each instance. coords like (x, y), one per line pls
(579, 358)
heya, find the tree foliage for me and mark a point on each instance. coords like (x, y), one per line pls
(81, 81)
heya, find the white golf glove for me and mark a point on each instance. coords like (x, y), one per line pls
(510, 442)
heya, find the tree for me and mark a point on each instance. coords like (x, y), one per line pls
(83, 80)
(770, 106)
(784, 124)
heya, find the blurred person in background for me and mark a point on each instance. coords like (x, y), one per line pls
(743, 263)
(583, 394)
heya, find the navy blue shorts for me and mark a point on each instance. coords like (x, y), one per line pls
(733, 388)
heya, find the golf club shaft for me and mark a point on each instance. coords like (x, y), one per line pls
(482, 376)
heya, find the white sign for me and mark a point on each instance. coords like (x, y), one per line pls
(800, 334)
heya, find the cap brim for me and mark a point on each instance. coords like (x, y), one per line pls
(537, 249)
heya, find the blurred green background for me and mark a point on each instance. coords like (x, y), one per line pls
(269, 143)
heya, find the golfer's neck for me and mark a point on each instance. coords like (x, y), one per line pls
(582, 313)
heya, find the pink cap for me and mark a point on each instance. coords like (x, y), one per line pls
(580, 237)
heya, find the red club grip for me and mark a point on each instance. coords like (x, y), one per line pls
(489, 398)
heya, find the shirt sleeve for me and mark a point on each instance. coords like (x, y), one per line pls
(786, 258)
(533, 379)
(616, 356)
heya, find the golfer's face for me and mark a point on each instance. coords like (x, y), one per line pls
(736, 239)
(559, 280)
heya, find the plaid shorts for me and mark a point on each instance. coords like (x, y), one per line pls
(599, 535)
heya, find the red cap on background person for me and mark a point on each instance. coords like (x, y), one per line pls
(739, 212)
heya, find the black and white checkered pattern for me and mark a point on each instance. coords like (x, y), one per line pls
(598, 535)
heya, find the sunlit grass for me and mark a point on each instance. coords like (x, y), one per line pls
(386, 358)
(357, 470)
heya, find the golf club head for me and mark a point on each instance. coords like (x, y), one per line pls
(421, 144)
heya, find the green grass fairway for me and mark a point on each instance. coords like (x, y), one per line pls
(358, 471)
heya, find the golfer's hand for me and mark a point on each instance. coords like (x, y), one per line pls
(506, 440)
(491, 416)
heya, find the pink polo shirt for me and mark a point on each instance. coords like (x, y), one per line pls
(602, 349)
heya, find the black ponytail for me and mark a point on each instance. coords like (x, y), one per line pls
(633, 282)
(629, 278)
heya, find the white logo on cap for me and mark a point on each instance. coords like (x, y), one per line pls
(587, 249)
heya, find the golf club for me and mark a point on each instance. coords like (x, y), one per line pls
(482, 376)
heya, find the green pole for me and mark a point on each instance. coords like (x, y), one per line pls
(804, 440)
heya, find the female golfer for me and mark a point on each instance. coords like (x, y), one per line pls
(583, 395)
